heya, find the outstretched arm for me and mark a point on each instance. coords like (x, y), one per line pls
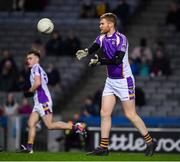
(83, 53)
(116, 60)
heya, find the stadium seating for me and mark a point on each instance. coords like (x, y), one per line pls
(162, 93)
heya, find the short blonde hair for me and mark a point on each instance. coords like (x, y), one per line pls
(110, 17)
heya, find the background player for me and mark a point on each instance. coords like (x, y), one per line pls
(42, 103)
(119, 82)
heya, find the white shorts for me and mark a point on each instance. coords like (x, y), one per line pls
(42, 108)
(122, 88)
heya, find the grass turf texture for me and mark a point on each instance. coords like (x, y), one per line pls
(81, 156)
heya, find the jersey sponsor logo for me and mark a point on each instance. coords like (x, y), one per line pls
(123, 47)
(113, 42)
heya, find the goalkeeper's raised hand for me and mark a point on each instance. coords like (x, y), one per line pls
(95, 61)
(81, 53)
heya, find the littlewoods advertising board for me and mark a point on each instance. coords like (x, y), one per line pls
(129, 139)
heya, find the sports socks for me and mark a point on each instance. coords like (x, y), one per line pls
(104, 143)
(148, 139)
(30, 145)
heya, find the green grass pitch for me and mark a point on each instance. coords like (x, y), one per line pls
(81, 156)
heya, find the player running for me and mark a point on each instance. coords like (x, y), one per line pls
(42, 103)
(120, 81)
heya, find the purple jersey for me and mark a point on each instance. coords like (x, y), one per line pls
(110, 45)
(42, 94)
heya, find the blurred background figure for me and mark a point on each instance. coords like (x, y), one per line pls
(172, 15)
(55, 45)
(8, 77)
(7, 56)
(11, 106)
(88, 9)
(18, 5)
(142, 51)
(54, 78)
(89, 108)
(123, 12)
(72, 44)
(160, 64)
(39, 46)
(25, 108)
(141, 58)
(101, 8)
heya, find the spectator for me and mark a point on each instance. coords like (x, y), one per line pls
(7, 56)
(142, 51)
(88, 9)
(35, 5)
(8, 77)
(102, 8)
(171, 17)
(72, 44)
(39, 46)
(144, 68)
(159, 45)
(55, 45)
(89, 109)
(53, 75)
(11, 106)
(21, 83)
(18, 5)
(122, 11)
(134, 67)
(141, 58)
(160, 65)
(26, 108)
(23, 80)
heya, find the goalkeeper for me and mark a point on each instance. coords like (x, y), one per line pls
(119, 82)
(42, 103)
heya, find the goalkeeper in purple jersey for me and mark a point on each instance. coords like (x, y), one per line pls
(120, 81)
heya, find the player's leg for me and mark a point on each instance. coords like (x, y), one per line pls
(108, 103)
(130, 112)
(77, 128)
(48, 121)
(33, 120)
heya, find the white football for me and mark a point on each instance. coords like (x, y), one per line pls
(45, 25)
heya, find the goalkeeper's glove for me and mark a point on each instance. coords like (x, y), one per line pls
(81, 53)
(95, 61)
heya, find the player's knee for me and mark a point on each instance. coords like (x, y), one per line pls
(130, 115)
(105, 113)
(31, 124)
(49, 126)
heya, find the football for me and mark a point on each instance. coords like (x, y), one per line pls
(45, 25)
